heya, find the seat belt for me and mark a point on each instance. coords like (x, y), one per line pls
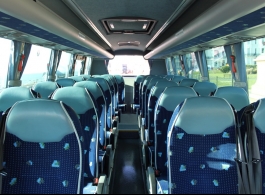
(2, 137)
(243, 183)
(252, 153)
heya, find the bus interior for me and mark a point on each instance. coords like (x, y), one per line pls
(132, 97)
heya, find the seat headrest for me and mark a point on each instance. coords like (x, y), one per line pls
(77, 78)
(174, 95)
(236, 96)
(204, 88)
(259, 114)
(101, 81)
(92, 87)
(11, 95)
(204, 115)
(45, 88)
(76, 97)
(160, 87)
(187, 82)
(39, 120)
(65, 82)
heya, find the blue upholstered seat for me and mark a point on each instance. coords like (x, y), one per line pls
(170, 98)
(82, 103)
(43, 153)
(236, 96)
(201, 148)
(45, 89)
(204, 88)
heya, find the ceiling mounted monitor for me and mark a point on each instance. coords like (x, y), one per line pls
(128, 25)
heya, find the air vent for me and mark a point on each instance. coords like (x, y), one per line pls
(129, 43)
(128, 25)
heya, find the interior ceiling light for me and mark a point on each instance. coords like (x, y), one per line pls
(144, 26)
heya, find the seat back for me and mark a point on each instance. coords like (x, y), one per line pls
(202, 133)
(155, 93)
(107, 92)
(121, 88)
(204, 88)
(188, 82)
(42, 150)
(45, 89)
(136, 88)
(99, 98)
(65, 82)
(151, 84)
(170, 98)
(236, 96)
(82, 103)
(9, 96)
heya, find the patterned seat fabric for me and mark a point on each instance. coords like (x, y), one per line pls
(98, 97)
(106, 89)
(82, 103)
(151, 84)
(121, 88)
(136, 88)
(166, 104)
(42, 150)
(46, 88)
(202, 147)
(153, 97)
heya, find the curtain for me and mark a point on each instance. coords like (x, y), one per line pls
(17, 62)
(201, 60)
(53, 64)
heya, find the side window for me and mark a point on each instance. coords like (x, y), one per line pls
(219, 70)
(78, 66)
(193, 71)
(62, 70)
(255, 69)
(36, 68)
(5, 50)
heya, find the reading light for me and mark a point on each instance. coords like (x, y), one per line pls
(111, 25)
(144, 26)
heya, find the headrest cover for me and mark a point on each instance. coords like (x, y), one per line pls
(101, 81)
(65, 82)
(11, 95)
(39, 120)
(77, 78)
(187, 82)
(75, 97)
(45, 88)
(205, 115)
(91, 86)
(160, 87)
(259, 114)
(204, 88)
(178, 78)
(236, 96)
(174, 95)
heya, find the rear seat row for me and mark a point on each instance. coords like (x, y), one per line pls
(192, 139)
(51, 117)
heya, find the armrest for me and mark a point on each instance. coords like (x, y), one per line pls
(102, 185)
(151, 181)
